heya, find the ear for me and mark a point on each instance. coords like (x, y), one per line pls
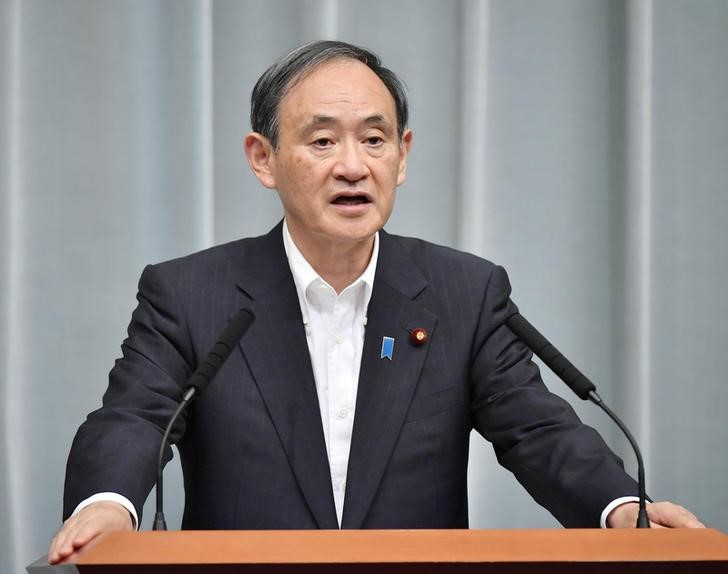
(404, 148)
(261, 158)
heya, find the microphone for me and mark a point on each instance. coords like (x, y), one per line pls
(584, 389)
(197, 383)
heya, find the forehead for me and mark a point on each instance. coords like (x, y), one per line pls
(335, 88)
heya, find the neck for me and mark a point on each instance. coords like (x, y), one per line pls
(339, 263)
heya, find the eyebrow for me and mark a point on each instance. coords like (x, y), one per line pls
(323, 120)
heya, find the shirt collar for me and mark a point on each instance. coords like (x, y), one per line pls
(304, 274)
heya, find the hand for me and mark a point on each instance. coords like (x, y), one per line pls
(97, 518)
(661, 514)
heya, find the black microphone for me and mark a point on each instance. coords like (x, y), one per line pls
(583, 387)
(197, 383)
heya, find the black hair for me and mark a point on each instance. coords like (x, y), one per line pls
(277, 80)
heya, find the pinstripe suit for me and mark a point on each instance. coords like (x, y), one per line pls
(252, 446)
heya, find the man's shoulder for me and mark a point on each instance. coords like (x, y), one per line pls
(236, 253)
(432, 255)
(438, 274)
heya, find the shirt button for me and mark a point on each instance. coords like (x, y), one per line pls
(343, 413)
(339, 339)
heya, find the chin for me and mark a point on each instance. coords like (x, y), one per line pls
(358, 231)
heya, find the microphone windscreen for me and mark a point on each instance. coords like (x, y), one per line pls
(550, 355)
(219, 353)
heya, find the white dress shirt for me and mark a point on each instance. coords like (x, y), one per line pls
(335, 335)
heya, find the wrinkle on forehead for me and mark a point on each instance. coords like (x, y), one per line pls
(337, 89)
(322, 120)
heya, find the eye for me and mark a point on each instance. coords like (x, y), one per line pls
(374, 140)
(323, 142)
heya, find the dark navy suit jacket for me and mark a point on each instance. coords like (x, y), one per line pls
(252, 446)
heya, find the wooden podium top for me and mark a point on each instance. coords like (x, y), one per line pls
(418, 551)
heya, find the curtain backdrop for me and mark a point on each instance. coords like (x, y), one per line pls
(582, 144)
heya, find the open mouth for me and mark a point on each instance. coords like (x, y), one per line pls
(351, 200)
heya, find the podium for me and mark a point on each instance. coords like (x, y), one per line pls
(403, 551)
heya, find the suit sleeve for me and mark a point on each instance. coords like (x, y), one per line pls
(116, 448)
(564, 464)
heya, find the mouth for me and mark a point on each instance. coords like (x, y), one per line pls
(351, 199)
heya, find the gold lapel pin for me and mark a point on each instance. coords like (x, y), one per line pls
(418, 336)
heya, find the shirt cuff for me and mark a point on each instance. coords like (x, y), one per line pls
(110, 497)
(614, 504)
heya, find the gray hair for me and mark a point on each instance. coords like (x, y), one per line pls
(277, 80)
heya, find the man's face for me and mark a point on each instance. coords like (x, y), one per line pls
(339, 159)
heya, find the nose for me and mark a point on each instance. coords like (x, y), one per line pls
(351, 162)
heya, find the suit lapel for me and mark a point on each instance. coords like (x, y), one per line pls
(385, 386)
(276, 351)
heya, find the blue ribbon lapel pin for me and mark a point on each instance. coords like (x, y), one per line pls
(387, 348)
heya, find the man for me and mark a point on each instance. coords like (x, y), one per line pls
(332, 413)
